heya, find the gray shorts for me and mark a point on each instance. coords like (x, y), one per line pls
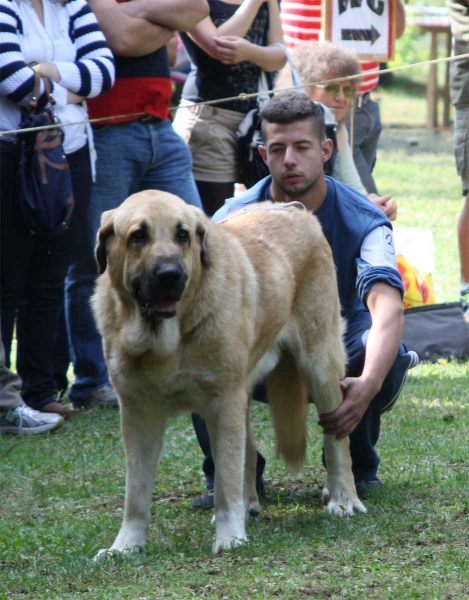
(459, 16)
(461, 145)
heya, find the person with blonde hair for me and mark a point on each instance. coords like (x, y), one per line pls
(320, 62)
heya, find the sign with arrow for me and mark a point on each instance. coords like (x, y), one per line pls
(366, 27)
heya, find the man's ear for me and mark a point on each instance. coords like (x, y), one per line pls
(105, 231)
(263, 153)
(327, 146)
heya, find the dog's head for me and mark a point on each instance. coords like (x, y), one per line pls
(152, 246)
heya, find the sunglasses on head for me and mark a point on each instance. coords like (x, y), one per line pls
(333, 88)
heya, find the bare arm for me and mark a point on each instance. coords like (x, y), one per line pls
(50, 71)
(180, 15)
(128, 36)
(238, 25)
(172, 47)
(385, 305)
(231, 48)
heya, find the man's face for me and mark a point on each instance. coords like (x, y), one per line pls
(295, 156)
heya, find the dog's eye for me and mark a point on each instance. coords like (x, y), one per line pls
(140, 235)
(183, 236)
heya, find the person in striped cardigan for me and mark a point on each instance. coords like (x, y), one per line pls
(59, 40)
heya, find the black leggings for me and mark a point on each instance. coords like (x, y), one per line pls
(213, 195)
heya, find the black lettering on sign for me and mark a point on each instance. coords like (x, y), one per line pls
(377, 6)
(343, 5)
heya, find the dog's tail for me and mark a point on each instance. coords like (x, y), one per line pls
(288, 404)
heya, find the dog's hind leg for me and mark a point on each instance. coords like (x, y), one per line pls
(251, 498)
(143, 440)
(226, 422)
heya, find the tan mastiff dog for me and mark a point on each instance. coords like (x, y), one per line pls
(193, 314)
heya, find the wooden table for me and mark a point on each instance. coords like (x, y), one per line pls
(435, 26)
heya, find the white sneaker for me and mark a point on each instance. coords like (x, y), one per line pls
(24, 420)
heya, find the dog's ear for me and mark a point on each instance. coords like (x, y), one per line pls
(201, 231)
(105, 231)
(204, 254)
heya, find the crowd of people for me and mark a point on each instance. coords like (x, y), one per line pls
(112, 59)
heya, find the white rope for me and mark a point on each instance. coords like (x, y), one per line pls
(244, 96)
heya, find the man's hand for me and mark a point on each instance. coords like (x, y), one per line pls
(358, 393)
(384, 203)
(232, 49)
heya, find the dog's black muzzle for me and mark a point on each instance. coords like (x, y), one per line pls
(159, 290)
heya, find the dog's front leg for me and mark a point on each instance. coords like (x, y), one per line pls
(226, 423)
(143, 438)
(339, 493)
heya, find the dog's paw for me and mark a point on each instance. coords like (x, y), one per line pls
(227, 543)
(341, 504)
(254, 508)
(108, 553)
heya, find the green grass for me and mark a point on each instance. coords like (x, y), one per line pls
(63, 493)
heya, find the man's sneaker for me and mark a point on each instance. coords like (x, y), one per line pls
(105, 397)
(464, 298)
(413, 360)
(206, 499)
(24, 420)
(367, 486)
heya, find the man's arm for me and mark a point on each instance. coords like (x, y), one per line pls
(180, 15)
(128, 36)
(385, 306)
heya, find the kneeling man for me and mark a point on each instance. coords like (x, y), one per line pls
(370, 286)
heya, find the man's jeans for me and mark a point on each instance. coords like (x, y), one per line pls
(132, 157)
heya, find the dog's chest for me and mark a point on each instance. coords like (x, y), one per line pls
(172, 385)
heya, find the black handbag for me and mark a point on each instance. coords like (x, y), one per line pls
(437, 331)
(251, 167)
(46, 197)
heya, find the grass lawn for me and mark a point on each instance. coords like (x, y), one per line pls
(63, 493)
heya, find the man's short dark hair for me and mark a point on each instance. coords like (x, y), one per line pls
(291, 107)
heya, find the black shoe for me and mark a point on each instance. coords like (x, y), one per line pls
(367, 486)
(206, 500)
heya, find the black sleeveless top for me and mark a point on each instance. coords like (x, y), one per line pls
(209, 79)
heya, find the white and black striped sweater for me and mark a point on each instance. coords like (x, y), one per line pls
(71, 40)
